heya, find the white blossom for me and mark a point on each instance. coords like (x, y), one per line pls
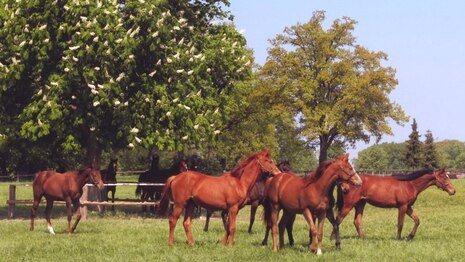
(118, 40)
(190, 72)
(138, 140)
(54, 83)
(153, 73)
(196, 126)
(75, 59)
(120, 77)
(180, 71)
(168, 113)
(216, 111)
(100, 86)
(93, 91)
(73, 97)
(97, 68)
(91, 86)
(175, 100)
(155, 34)
(209, 70)
(217, 132)
(96, 103)
(134, 130)
(22, 43)
(186, 107)
(131, 145)
(66, 69)
(169, 60)
(43, 27)
(92, 129)
(72, 48)
(117, 102)
(95, 39)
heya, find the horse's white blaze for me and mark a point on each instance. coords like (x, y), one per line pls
(318, 252)
(50, 230)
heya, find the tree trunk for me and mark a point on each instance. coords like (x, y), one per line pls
(324, 145)
(93, 151)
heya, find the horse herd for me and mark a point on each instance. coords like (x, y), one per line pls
(255, 180)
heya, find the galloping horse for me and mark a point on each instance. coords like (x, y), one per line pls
(397, 191)
(227, 192)
(157, 175)
(305, 195)
(255, 198)
(109, 176)
(65, 187)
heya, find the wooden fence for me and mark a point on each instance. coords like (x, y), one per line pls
(89, 198)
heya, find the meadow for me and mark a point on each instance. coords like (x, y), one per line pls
(126, 234)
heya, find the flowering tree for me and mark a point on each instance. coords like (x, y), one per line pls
(113, 74)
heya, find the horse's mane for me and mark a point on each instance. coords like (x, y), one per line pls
(317, 172)
(239, 169)
(413, 175)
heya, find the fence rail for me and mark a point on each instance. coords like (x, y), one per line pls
(85, 198)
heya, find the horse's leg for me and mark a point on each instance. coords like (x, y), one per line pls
(77, 210)
(289, 227)
(48, 211)
(69, 214)
(321, 222)
(274, 227)
(35, 205)
(415, 219)
(189, 213)
(113, 191)
(253, 211)
(267, 233)
(400, 220)
(340, 217)
(232, 214)
(177, 210)
(359, 207)
(224, 218)
(207, 220)
(143, 198)
(312, 230)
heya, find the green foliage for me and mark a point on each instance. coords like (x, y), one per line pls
(372, 158)
(449, 152)
(430, 159)
(336, 88)
(413, 156)
(98, 75)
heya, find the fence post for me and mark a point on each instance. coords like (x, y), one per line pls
(84, 198)
(11, 202)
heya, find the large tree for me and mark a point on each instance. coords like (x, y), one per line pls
(337, 89)
(413, 156)
(104, 74)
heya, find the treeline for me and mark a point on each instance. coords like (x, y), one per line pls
(450, 154)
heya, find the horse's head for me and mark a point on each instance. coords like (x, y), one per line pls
(442, 181)
(96, 177)
(344, 186)
(285, 166)
(183, 166)
(348, 172)
(266, 164)
(113, 164)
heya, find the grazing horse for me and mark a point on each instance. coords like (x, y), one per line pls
(227, 192)
(109, 177)
(397, 191)
(305, 195)
(63, 187)
(255, 198)
(157, 175)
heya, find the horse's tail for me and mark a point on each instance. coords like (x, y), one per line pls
(165, 198)
(139, 188)
(340, 198)
(267, 212)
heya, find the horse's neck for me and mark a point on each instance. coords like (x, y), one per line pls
(324, 182)
(250, 176)
(81, 179)
(423, 182)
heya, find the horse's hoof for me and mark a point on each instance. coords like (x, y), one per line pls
(319, 252)
(50, 230)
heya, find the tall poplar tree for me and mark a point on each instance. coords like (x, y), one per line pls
(413, 157)
(430, 159)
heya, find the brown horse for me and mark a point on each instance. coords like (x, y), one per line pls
(305, 195)
(397, 191)
(62, 187)
(157, 176)
(227, 192)
(109, 177)
(255, 198)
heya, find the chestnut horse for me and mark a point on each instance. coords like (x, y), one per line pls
(62, 187)
(109, 177)
(255, 199)
(397, 191)
(157, 175)
(305, 195)
(228, 192)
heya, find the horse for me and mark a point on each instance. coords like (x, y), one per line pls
(255, 198)
(227, 192)
(305, 195)
(109, 176)
(396, 191)
(64, 187)
(157, 175)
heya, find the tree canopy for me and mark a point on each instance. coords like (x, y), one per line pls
(104, 74)
(337, 89)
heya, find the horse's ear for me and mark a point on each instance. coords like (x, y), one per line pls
(345, 157)
(266, 152)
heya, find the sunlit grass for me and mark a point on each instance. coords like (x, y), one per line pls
(127, 235)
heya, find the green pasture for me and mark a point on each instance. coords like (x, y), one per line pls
(128, 235)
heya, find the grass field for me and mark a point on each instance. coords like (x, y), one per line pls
(128, 235)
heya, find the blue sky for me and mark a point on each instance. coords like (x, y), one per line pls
(425, 42)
